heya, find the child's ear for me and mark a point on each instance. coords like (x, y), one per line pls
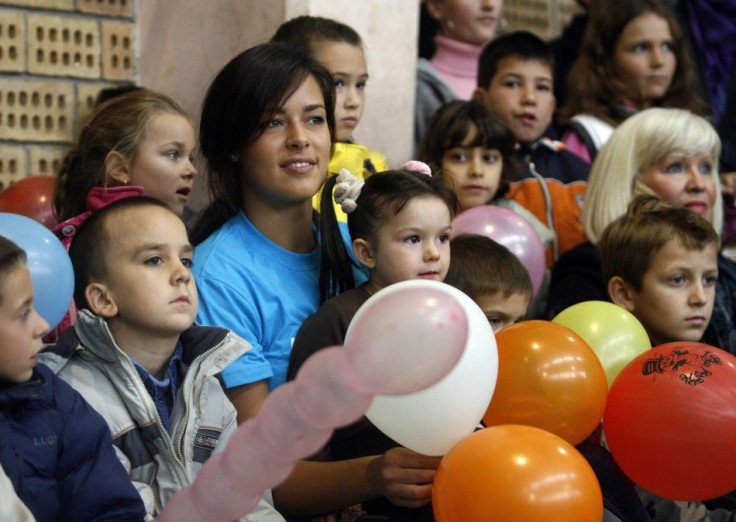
(364, 252)
(117, 168)
(100, 301)
(621, 293)
(479, 95)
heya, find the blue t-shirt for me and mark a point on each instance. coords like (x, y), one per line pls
(262, 292)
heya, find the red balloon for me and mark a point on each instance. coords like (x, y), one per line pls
(670, 421)
(31, 197)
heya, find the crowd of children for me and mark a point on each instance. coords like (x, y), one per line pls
(171, 342)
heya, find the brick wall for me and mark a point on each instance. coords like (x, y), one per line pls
(55, 56)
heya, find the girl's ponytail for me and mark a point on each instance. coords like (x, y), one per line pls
(335, 273)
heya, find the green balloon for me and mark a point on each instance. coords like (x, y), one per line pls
(614, 334)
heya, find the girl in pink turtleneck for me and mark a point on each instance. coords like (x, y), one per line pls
(464, 26)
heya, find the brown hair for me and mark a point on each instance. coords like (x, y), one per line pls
(593, 88)
(11, 256)
(481, 266)
(119, 124)
(628, 245)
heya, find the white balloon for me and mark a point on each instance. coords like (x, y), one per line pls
(433, 420)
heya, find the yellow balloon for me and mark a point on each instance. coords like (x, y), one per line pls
(614, 334)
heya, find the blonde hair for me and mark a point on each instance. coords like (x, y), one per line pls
(638, 143)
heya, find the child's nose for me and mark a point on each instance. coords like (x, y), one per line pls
(697, 295)
(431, 251)
(351, 98)
(41, 327)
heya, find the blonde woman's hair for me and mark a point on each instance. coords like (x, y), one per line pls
(641, 141)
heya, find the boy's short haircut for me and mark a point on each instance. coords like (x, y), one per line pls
(88, 250)
(628, 245)
(521, 44)
(481, 266)
(11, 256)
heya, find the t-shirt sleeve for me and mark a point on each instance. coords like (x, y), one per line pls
(221, 305)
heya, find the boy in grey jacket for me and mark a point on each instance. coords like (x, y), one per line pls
(136, 355)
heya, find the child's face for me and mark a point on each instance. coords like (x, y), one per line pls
(149, 277)
(521, 94)
(676, 298)
(684, 180)
(346, 63)
(413, 244)
(288, 163)
(471, 21)
(473, 173)
(21, 328)
(503, 311)
(644, 59)
(162, 165)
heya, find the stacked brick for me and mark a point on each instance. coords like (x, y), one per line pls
(55, 56)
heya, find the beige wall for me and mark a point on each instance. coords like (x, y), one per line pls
(184, 43)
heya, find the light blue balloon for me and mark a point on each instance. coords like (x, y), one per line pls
(48, 262)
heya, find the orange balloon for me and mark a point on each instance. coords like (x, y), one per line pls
(31, 197)
(548, 377)
(670, 421)
(515, 473)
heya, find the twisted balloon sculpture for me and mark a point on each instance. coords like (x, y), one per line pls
(412, 338)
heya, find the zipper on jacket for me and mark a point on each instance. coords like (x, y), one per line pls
(159, 422)
(179, 435)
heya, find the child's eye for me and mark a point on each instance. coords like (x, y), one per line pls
(710, 280)
(677, 280)
(187, 262)
(491, 157)
(458, 156)
(669, 46)
(639, 48)
(544, 87)
(444, 238)
(154, 260)
(361, 85)
(512, 84)
(339, 83)
(26, 313)
(412, 239)
(173, 155)
(494, 321)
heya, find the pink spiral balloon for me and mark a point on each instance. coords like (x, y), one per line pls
(333, 388)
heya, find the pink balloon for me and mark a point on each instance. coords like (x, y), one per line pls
(399, 324)
(408, 340)
(511, 230)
